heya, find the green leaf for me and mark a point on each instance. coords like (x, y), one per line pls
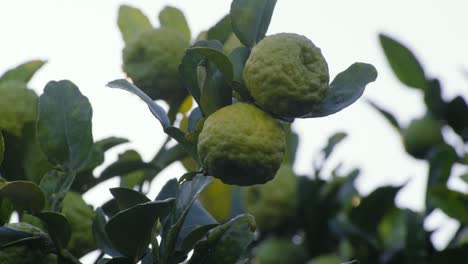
(130, 230)
(441, 161)
(155, 109)
(64, 124)
(2, 147)
(56, 184)
(218, 58)
(127, 198)
(24, 195)
(10, 236)
(22, 73)
(387, 115)
(417, 241)
(333, 141)
(117, 260)
(124, 167)
(433, 99)
(456, 113)
(250, 19)
(173, 18)
(453, 203)
(325, 259)
(221, 31)
(132, 22)
(186, 196)
(225, 243)
(238, 58)
(292, 142)
(134, 178)
(100, 235)
(403, 63)
(464, 177)
(450, 255)
(345, 89)
(373, 208)
(57, 226)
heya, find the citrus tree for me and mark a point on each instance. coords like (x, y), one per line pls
(240, 200)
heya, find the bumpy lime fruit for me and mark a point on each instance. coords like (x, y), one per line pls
(273, 203)
(18, 106)
(421, 135)
(241, 145)
(286, 74)
(279, 251)
(152, 59)
(80, 216)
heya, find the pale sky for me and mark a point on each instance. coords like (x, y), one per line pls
(81, 42)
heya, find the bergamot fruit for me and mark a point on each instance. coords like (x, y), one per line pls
(241, 145)
(275, 202)
(18, 106)
(421, 135)
(80, 216)
(152, 59)
(287, 75)
(279, 251)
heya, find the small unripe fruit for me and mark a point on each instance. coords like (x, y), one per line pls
(421, 135)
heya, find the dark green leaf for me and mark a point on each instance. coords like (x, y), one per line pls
(250, 19)
(333, 141)
(22, 73)
(221, 31)
(456, 113)
(226, 242)
(6, 209)
(56, 184)
(345, 89)
(117, 260)
(2, 147)
(130, 230)
(64, 124)
(179, 136)
(292, 142)
(57, 226)
(195, 227)
(218, 58)
(110, 208)
(441, 161)
(194, 117)
(173, 18)
(186, 196)
(127, 198)
(155, 109)
(388, 116)
(132, 22)
(453, 203)
(123, 167)
(450, 255)
(24, 195)
(133, 178)
(215, 94)
(433, 99)
(238, 58)
(464, 177)
(417, 241)
(169, 190)
(10, 236)
(373, 208)
(100, 235)
(110, 142)
(403, 63)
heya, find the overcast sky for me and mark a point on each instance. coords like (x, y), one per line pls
(81, 42)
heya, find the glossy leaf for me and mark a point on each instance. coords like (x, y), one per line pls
(416, 241)
(195, 227)
(11, 236)
(387, 115)
(100, 235)
(250, 19)
(433, 98)
(23, 72)
(221, 31)
(64, 124)
(453, 203)
(134, 178)
(132, 22)
(193, 119)
(155, 109)
(186, 196)
(130, 230)
(373, 208)
(57, 226)
(333, 141)
(403, 63)
(169, 190)
(123, 167)
(24, 195)
(345, 89)
(117, 260)
(218, 58)
(173, 18)
(238, 58)
(292, 142)
(441, 161)
(127, 198)
(56, 184)
(226, 242)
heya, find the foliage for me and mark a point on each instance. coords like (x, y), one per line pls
(48, 158)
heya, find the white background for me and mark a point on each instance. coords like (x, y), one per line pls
(81, 42)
